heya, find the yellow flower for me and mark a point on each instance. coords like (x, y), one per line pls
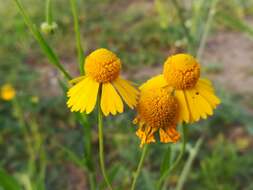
(7, 92)
(196, 96)
(102, 69)
(157, 110)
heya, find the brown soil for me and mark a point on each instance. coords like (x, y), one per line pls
(234, 52)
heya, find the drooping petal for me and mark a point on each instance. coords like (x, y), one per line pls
(193, 107)
(199, 101)
(110, 100)
(155, 82)
(77, 80)
(206, 84)
(83, 95)
(207, 94)
(127, 92)
(146, 134)
(170, 134)
(184, 112)
(92, 96)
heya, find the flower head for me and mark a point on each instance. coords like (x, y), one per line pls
(102, 66)
(196, 96)
(181, 71)
(102, 69)
(7, 92)
(157, 109)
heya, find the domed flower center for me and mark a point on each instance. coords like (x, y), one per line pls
(181, 71)
(158, 108)
(102, 65)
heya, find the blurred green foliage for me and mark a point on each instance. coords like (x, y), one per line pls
(41, 145)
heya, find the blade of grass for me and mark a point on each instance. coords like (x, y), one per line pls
(8, 182)
(41, 41)
(188, 164)
(206, 29)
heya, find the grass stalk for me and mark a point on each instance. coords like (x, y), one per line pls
(188, 164)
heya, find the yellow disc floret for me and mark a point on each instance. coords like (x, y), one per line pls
(181, 71)
(158, 108)
(102, 65)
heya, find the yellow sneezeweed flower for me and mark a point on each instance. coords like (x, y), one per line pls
(196, 96)
(102, 69)
(157, 109)
(7, 92)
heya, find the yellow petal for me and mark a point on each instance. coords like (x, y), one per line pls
(155, 82)
(206, 84)
(208, 95)
(184, 114)
(79, 95)
(76, 80)
(92, 96)
(201, 105)
(110, 100)
(127, 92)
(169, 134)
(192, 107)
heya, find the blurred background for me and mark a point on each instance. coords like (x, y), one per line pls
(42, 145)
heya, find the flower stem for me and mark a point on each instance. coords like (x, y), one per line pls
(137, 173)
(49, 16)
(178, 159)
(78, 35)
(101, 145)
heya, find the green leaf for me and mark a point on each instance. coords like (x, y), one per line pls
(7, 182)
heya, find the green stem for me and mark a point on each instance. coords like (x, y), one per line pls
(188, 164)
(206, 29)
(101, 145)
(92, 181)
(78, 36)
(49, 15)
(42, 42)
(137, 173)
(178, 159)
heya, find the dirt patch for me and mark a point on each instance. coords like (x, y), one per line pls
(234, 52)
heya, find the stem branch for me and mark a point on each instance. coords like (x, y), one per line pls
(137, 173)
